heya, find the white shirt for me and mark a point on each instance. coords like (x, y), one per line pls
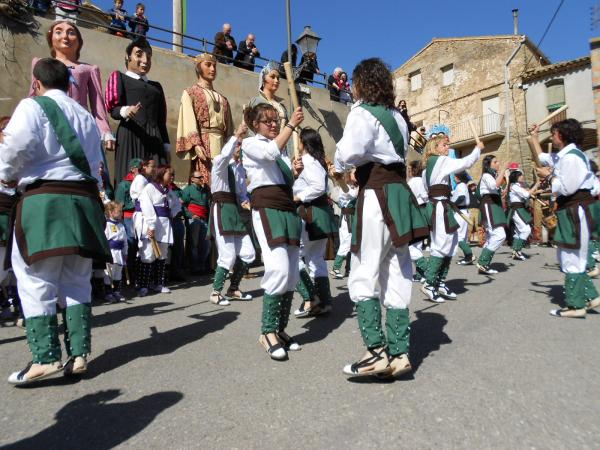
(518, 193)
(417, 186)
(487, 185)
(260, 156)
(240, 180)
(150, 198)
(31, 151)
(312, 181)
(116, 232)
(344, 198)
(137, 186)
(444, 166)
(571, 173)
(365, 140)
(219, 178)
(548, 159)
(461, 190)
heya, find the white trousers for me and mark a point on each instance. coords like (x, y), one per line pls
(494, 237)
(522, 229)
(146, 253)
(379, 270)
(345, 238)
(312, 255)
(463, 226)
(575, 260)
(442, 243)
(281, 262)
(230, 247)
(113, 272)
(62, 279)
(416, 251)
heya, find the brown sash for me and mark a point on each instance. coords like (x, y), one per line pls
(278, 196)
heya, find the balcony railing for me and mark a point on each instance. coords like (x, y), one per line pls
(485, 125)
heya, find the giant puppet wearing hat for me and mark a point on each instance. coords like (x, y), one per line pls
(205, 121)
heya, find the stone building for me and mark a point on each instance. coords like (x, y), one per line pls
(457, 80)
(549, 87)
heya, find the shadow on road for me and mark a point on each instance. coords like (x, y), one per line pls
(160, 343)
(426, 336)
(92, 422)
(138, 310)
(458, 284)
(13, 339)
(318, 328)
(554, 291)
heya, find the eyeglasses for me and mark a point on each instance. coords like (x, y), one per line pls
(271, 121)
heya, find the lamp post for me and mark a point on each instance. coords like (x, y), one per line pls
(177, 26)
(308, 40)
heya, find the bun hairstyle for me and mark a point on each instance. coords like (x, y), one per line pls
(463, 177)
(258, 113)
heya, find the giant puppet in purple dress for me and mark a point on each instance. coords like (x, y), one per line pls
(65, 42)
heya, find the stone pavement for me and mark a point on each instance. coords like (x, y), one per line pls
(492, 370)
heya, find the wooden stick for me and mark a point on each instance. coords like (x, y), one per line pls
(294, 96)
(465, 218)
(534, 151)
(552, 115)
(543, 203)
(474, 131)
(155, 248)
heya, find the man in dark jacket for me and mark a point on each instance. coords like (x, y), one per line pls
(246, 53)
(224, 45)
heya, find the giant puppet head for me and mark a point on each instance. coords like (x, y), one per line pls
(206, 67)
(139, 57)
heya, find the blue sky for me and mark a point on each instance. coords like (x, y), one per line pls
(391, 29)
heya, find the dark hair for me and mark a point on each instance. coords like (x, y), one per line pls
(486, 165)
(569, 130)
(593, 165)
(3, 122)
(415, 168)
(313, 145)
(139, 42)
(51, 31)
(463, 177)
(140, 5)
(514, 176)
(257, 113)
(52, 73)
(160, 173)
(374, 83)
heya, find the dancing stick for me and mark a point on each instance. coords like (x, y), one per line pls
(552, 115)
(294, 95)
(474, 131)
(155, 248)
(534, 151)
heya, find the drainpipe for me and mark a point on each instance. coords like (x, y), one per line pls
(507, 93)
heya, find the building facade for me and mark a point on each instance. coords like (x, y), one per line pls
(456, 81)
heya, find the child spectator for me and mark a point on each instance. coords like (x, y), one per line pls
(117, 241)
(67, 10)
(118, 24)
(139, 23)
(123, 196)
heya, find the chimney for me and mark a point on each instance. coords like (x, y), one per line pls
(515, 21)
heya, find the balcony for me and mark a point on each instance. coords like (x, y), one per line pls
(488, 127)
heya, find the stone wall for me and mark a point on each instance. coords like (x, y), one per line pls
(173, 70)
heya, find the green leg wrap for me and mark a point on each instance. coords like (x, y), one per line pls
(286, 308)
(591, 262)
(589, 290)
(518, 244)
(239, 269)
(63, 313)
(466, 249)
(79, 325)
(323, 290)
(397, 323)
(486, 257)
(42, 337)
(219, 281)
(368, 313)
(434, 268)
(445, 267)
(271, 313)
(575, 284)
(421, 265)
(305, 286)
(338, 261)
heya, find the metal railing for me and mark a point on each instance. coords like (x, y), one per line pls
(484, 125)
(260, 61)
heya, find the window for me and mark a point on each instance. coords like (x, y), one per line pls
(415, 80)
(555, 94)
(448, 75)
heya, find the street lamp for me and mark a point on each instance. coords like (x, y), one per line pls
(308, 40)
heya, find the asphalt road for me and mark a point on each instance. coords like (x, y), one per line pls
(491, 370)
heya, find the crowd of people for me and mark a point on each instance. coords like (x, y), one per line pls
(260, 190)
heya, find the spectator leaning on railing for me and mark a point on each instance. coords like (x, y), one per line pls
(118, 24)
(309, 65)
(246, 53)
(332, 84)
(224, 45)
(139, 23)
(345, 94)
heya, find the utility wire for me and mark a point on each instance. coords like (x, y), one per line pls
(545, 33)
